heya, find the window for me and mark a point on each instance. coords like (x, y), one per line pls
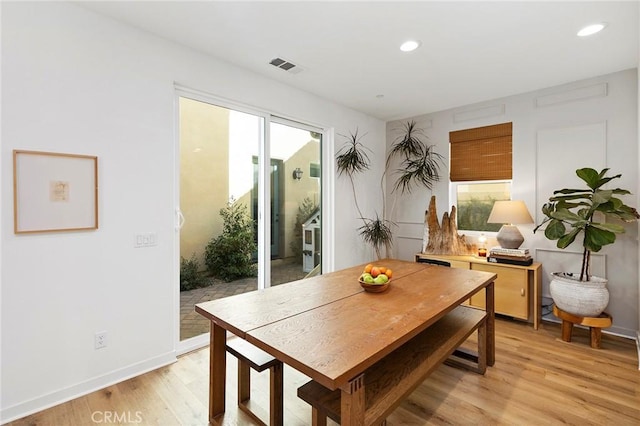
(314, 170)
(481, 171)
(474, 201)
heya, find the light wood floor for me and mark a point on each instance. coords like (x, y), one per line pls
(537, 380)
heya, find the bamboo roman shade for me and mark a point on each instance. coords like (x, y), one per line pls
(483, 153)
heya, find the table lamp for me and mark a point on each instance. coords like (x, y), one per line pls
(510, 213)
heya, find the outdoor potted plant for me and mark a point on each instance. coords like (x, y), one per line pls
(573, 212)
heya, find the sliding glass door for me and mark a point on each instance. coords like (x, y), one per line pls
(218, 235)
(249, 200)
(296, 227)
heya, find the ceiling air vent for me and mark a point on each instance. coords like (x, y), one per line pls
(285, 65)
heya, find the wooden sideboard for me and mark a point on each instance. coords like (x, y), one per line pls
(518, 289)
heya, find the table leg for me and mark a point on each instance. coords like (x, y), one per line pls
(217, 371)
(276, 389)
(352, 402)
(491, 326)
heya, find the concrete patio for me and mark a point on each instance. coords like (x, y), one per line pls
(194, 324)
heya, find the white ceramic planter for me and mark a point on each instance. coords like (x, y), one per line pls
(581, 298)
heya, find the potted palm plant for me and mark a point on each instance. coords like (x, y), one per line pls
(420, 166)
(351, 160)
(574, 212)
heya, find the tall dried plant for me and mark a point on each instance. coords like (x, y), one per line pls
(420, 166)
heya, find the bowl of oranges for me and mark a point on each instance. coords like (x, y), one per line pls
(375, 278)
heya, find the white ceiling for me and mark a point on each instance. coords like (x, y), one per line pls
(471, 51)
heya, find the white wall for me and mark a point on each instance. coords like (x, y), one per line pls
(76, 82)
(589, 123)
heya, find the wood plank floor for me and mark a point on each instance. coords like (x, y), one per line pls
(537, 380)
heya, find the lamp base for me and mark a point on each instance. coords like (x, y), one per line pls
(510, 237)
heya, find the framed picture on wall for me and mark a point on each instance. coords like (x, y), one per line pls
(54, 192)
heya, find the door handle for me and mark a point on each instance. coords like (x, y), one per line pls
(180, 219)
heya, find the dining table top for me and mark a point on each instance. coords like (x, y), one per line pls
(329, 328)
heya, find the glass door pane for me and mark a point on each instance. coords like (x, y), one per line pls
(275, 168)
(295, 201)
(217, 190)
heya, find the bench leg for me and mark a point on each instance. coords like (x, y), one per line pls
(567, 329)
(276, 416)
(244, 391)
(482, 347)
(596, 337)
(318, 417)
(244, 382)
(470, 360)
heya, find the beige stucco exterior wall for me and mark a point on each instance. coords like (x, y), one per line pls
(204, 176)
(295, 191)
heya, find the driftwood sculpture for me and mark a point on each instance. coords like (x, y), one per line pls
(445, 239)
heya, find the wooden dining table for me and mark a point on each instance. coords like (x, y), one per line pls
(330, 329)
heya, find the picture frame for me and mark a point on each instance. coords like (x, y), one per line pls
(54, 192)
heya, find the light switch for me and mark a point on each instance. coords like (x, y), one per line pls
(149, 239)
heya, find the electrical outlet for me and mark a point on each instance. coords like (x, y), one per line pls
(101, 340)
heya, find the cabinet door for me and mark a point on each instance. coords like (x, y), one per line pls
(511, 290)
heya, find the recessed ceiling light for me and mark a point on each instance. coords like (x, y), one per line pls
(591, 29)
(409, 45)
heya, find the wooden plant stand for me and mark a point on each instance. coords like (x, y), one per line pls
(595, 324)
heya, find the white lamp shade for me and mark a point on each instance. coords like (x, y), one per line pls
(511, 212)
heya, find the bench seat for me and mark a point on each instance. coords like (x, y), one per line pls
(394, 377)
(250, 356)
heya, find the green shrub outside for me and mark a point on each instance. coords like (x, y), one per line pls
(473, 215)
(228, 256)
(190, 278)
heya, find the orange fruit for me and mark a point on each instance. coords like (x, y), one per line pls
(368, 268)
(389, 273)
(375, 271)
(382, 269)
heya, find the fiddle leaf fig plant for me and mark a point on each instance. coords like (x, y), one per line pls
(571, 212)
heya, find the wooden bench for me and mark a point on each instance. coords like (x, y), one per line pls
(394, 377)
(250, 356)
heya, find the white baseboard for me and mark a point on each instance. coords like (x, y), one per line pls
(193, 343)
(8, 414)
